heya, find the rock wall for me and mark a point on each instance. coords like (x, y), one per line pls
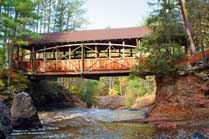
(185, 96)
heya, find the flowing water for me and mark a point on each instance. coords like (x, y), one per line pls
(98, 124)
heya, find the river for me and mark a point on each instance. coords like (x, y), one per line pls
(98, 124)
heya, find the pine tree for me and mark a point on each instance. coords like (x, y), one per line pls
(16, 21)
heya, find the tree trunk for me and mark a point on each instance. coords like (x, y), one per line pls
(188, 31)
(49, 16)
(204, 59)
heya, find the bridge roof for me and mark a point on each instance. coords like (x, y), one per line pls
(92, 35)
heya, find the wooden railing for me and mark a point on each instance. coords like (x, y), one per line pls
(77, 65)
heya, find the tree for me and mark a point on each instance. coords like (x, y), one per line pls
(16, 19)
(185, 15)
(67, 16)
(199, 18)
(165, 45)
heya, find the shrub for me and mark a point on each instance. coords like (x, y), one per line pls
(137, 87)
(18, 81)
(88, 92)
(160, 61)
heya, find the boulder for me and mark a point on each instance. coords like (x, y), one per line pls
(202, 76)
(111, 102)
(78, 103)
(5, 127)
(144, 101)
(23, 113)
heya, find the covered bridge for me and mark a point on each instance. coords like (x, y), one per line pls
(102, 52)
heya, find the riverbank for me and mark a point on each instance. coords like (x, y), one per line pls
(181, 100)
(119, 102)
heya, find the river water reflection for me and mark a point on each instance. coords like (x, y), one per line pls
(97, 124)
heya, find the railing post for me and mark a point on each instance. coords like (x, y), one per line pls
(138, 44)
(23, 54)
(110, 49)
(44, 58)
(123, 49)
(96, 52)
(69, 56)
(32, 60)
(82, 59)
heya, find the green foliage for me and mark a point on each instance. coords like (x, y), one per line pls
(102, 87)
(199, 17)
(160, 61)
(88, 92)
(138, 87)
(19, 81)
(86, 89)
(60, 15)
(2, 56)
(164, 47)
(16, 18)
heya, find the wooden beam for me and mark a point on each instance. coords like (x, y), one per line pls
(44, 56)
(137, 43)
(123, 49)
(85, 44)
(109, 52)
(56, 54)
(69, 50)
(33, 60)
(82, 59)
(96, 52)
(23, 54)
(131, 52)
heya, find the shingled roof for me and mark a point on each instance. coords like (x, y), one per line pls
(92, 35)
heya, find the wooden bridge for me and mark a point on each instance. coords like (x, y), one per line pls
(103, 52)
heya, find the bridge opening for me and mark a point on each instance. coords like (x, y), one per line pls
(135, 92)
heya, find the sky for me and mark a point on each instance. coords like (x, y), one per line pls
(116, 13)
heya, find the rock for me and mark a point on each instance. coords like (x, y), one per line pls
(78, 103)
(184, 97)
(5, 127)
(23, 112)
(111, 102)
(202, 76)
(144, 101)
(167, 125)
(181, 72)
(197, 135)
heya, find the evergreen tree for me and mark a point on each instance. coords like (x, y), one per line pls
(199, 18)
(165, 44)
(16, 18)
